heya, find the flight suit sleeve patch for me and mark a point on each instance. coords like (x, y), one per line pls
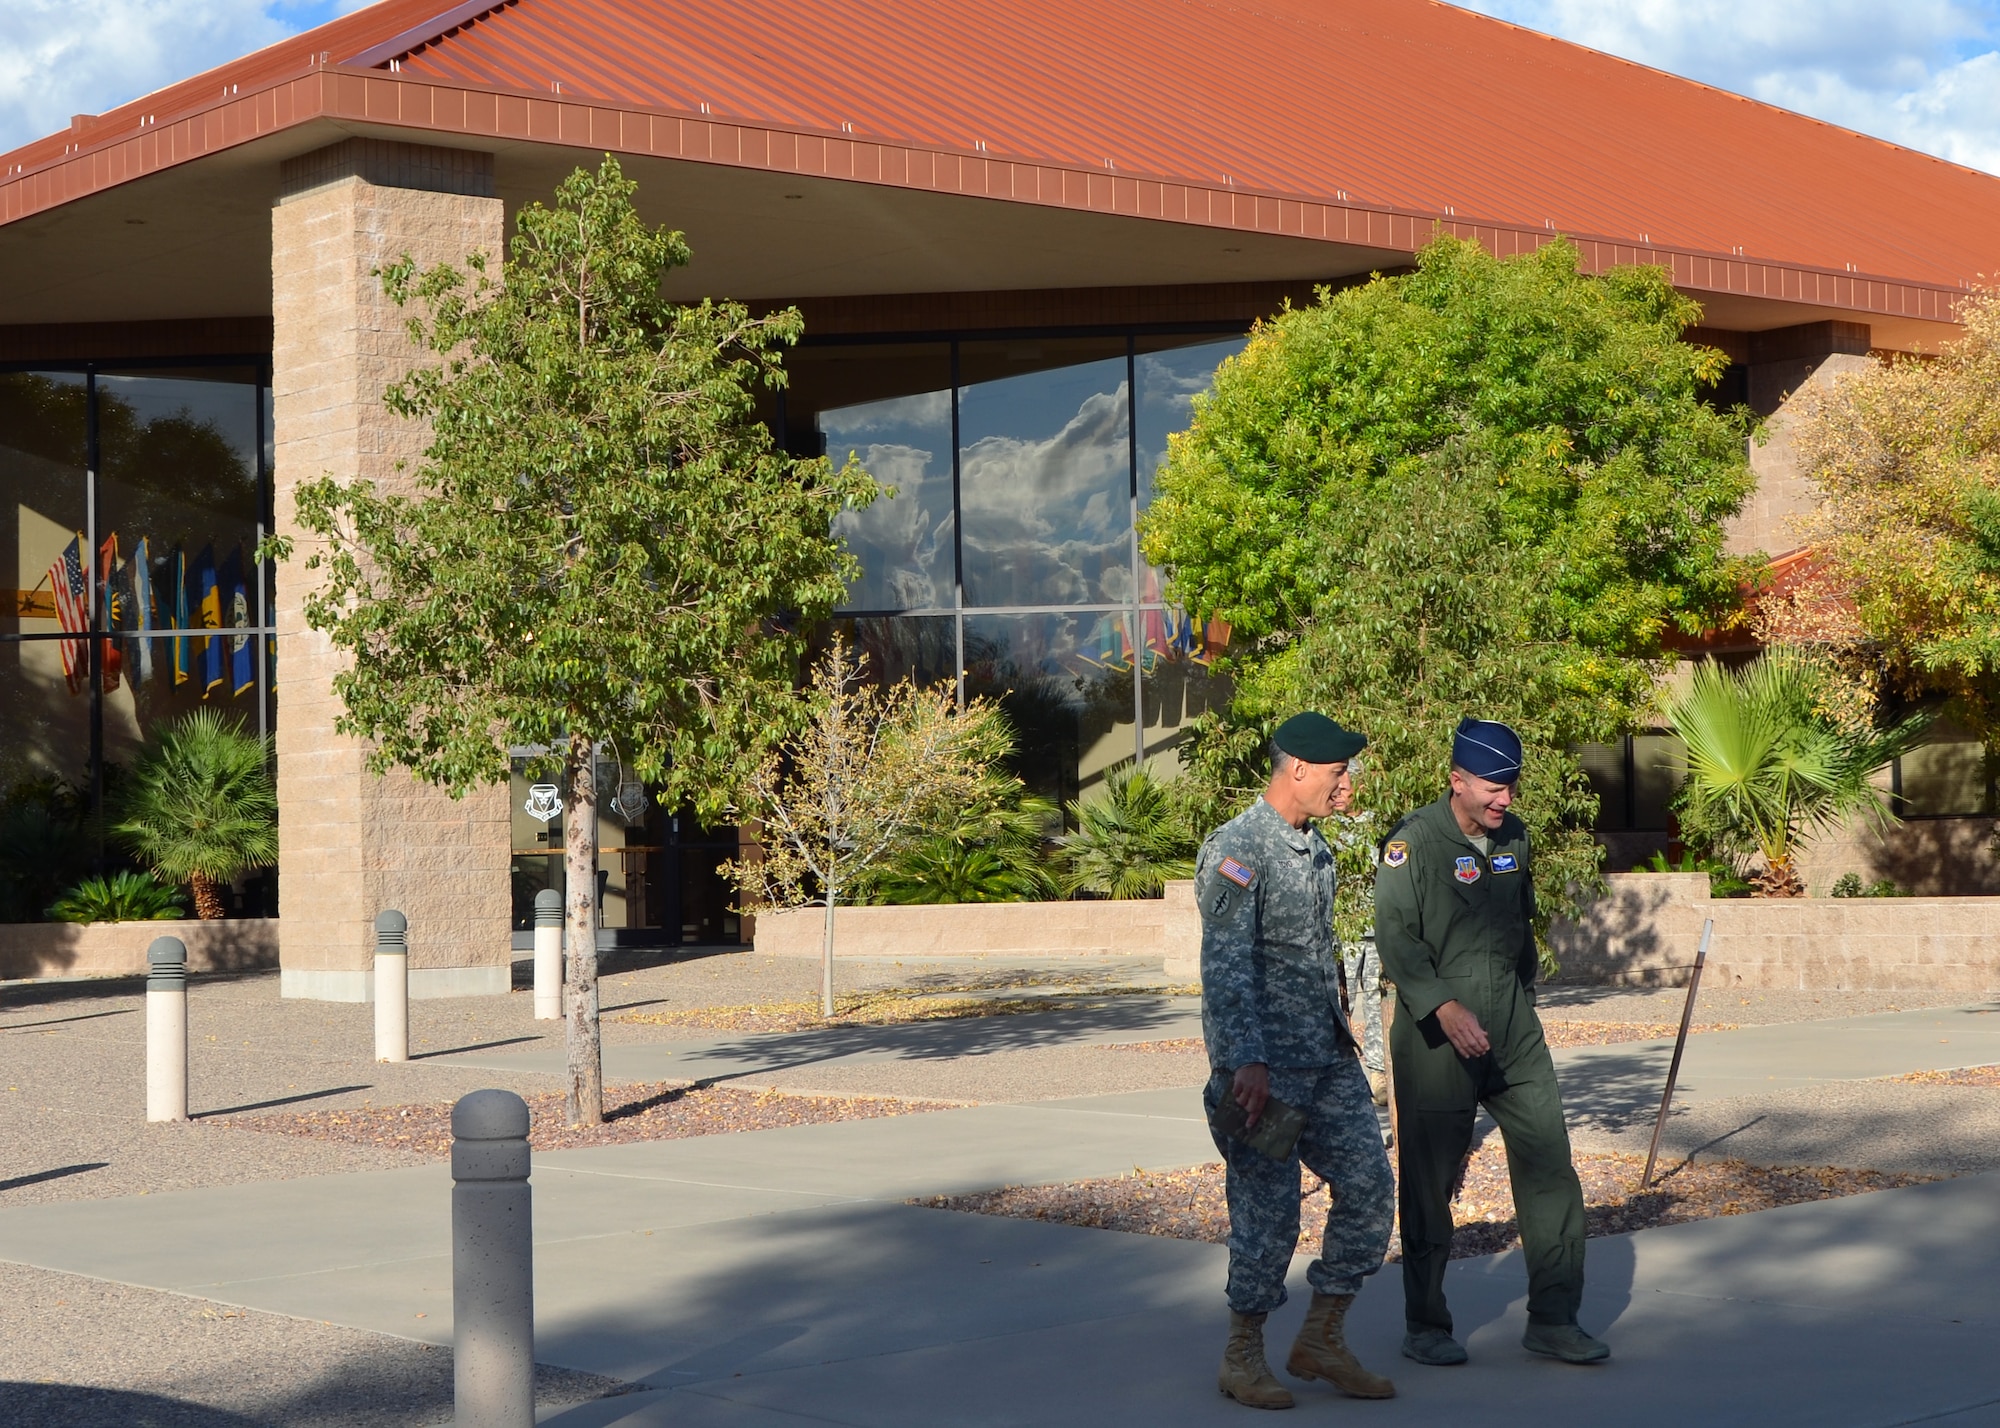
(1395, 854)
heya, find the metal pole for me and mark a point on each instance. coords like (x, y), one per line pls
(548, 955)
(392, 987)
(492, 1263)
(1680, 1044)
(166, 1030)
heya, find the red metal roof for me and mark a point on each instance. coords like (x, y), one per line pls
(1402, 105)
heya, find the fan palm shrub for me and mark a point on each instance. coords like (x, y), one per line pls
(122, 897)
(991, 849)
(199, 806)
(1130, 842)
(1769, 769)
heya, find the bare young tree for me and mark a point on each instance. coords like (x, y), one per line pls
(870, 766)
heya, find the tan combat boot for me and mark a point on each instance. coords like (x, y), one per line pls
(1321, 1351)
(1245, 1376)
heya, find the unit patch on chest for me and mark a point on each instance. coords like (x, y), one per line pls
(1237, 872)
(1395, 854)
(1468, 870)
(1505, 863)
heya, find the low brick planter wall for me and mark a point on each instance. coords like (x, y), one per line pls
(1149, 927)
(118, 949)
(1645, 931)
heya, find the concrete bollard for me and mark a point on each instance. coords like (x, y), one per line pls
(166, 1030)
(492, 1263)
(548, 955)
(392, 987)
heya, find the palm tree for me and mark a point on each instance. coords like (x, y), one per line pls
(1768, 769)
(1130, 842)
(199, 806)
(988, 850)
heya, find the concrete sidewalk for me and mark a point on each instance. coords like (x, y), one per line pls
(775, 1058)
(774, 1277)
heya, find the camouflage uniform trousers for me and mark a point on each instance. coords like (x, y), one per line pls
(1364, 991)
(1342, 1144)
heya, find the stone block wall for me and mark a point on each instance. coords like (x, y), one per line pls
(355, 843)
(118, 949)
(1168, 928)
(1646, 929)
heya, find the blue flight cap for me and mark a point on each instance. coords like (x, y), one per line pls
(1487, 749)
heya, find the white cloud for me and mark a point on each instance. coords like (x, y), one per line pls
(64, 57)
(1924, 73)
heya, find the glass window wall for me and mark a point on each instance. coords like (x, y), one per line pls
(1007, 558)
(132, 499)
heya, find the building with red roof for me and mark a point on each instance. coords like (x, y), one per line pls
(1022, 237)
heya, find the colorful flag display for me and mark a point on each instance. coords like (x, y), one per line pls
(242, 658)
(144, 616)
(208, 601)
(111, 660)
(184, 651)
(72, 593)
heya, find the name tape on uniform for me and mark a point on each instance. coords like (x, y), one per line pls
(1505, 863)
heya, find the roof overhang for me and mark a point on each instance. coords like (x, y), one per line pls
(172, 219)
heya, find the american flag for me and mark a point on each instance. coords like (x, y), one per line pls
(66, 580)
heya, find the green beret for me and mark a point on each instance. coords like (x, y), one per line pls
(1316, 739)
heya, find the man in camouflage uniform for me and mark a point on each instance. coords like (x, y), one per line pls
(1272, 1019)
(1363, 967)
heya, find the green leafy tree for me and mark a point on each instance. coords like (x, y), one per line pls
(1903, 587)
(857, 781)
(121, 897)
(1130, 841)
(604, 545)
(199, 805)
(1486, 487)
(1769, 769)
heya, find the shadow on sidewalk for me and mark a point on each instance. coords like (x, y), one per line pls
(763, 1053)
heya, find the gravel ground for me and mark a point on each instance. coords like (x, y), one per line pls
(1558, 1001)
(1190, 1204)
(654, 1111)
(85, 1353)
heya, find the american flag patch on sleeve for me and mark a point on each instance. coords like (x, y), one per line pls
(1237, 873)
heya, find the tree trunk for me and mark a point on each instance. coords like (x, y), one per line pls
(1780, 879)
(826, 960)
(585, 1103)
(208, 905)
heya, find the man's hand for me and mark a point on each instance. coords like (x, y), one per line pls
(1461, 1028)
(1252, 1088)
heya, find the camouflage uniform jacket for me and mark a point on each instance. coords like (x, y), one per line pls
(1270, 964)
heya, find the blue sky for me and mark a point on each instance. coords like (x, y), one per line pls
(1925, 73)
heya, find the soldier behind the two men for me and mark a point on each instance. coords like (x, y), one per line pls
(1454, 913)
(1272, 1019)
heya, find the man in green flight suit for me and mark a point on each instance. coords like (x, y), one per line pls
(1454, 911)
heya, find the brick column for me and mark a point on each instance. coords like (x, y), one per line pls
(353, 844)
(1784, 362)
